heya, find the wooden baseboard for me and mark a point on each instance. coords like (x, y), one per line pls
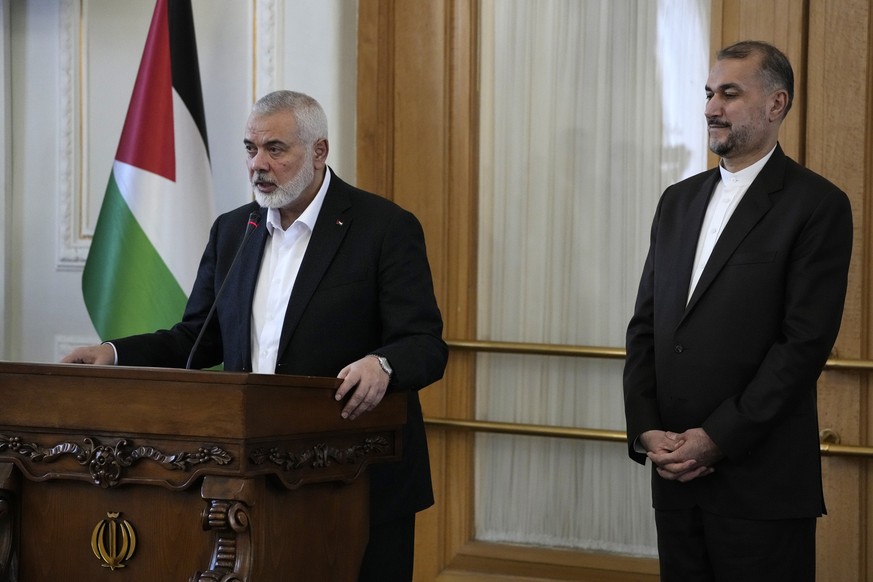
(487, 562)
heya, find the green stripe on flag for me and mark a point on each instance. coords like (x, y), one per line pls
(128, 288)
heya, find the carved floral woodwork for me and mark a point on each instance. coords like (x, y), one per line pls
(320, 455)
(106, 463)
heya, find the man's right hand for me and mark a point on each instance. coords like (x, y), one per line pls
(101, 355)
(681, 457)
(656, 441)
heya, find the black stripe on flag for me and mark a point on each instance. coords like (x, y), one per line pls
(186, 70)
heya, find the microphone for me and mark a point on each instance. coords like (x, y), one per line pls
(254, 221)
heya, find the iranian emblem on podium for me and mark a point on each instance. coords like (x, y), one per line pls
(113, 541)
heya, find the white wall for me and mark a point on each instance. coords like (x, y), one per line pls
(65, 102)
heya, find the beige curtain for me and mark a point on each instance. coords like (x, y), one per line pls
(590, 108)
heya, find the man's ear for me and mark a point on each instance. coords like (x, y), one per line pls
(778, 105)
(321, 149)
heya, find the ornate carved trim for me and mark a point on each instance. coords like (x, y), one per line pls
(232, 554)
(72, 247)
(320, 455)
(107, 462)
(266, 46)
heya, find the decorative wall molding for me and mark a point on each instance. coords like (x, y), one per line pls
(73, 243)
(266, 57)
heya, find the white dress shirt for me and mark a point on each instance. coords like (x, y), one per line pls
(725, 199)
(283, 255)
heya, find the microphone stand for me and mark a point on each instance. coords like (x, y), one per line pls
(254, 221)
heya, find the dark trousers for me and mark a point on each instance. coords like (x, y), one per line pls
(390, 551)
(694, 545)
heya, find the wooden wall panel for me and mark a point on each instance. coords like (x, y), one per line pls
(417, 145)
(462, 240)
(374, 148)
(837, 146)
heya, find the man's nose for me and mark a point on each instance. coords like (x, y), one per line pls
(258, 162)
(713, 107)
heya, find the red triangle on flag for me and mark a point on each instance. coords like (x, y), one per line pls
(147, 140)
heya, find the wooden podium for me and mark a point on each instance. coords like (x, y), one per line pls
(145, 474)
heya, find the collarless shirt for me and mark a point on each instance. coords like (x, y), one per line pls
(725, 199)
(283, 255)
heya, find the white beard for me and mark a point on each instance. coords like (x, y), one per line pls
(286, 193)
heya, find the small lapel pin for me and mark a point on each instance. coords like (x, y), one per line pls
(339, 222)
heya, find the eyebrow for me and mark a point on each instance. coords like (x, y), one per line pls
(271, 143)
(724, 87)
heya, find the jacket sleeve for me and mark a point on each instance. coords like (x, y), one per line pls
(640, 385)
(411, 321)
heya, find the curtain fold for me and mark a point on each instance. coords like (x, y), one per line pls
(589, 109)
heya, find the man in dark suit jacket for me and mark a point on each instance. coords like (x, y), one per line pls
(336, 284)
(739, 305)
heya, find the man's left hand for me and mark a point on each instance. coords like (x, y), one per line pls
(367, 382)
(693, 458)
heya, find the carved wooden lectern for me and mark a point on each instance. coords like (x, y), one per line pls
(146, 474)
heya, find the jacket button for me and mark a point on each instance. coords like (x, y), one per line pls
(678, 349)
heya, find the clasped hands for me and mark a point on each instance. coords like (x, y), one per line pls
(681, 456)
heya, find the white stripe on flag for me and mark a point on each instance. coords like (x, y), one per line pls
(176, 216)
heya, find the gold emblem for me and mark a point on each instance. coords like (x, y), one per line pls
(113, 542)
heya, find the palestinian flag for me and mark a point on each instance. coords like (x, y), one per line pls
(158, 206)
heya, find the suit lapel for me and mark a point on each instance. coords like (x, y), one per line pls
(688, 240)
(246, 280)
(330, 228)
(754, 205)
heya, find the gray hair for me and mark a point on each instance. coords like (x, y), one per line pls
(310, 117)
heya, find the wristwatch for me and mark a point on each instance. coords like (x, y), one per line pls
(383, 361)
